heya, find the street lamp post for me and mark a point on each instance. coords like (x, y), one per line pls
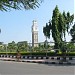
(30, 47)
(46, 46)
(6, 48)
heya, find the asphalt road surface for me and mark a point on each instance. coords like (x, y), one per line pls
(23, 68)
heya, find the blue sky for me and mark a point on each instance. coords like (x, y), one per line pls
(16, 24)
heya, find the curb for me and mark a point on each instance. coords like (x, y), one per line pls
(40, 62)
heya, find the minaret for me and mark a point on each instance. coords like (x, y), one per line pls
(34, 34)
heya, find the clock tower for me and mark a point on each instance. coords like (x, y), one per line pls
(34, 34)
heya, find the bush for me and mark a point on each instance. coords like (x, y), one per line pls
(38, 53)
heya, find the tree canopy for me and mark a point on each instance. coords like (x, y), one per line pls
(72, 32)
(19, 4)
(58, 26)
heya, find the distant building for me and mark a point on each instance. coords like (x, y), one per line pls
(1, 43)
(22, 42)
(34, 34)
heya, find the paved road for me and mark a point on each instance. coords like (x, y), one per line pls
(23, 68)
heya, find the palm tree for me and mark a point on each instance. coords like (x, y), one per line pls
(19, 4)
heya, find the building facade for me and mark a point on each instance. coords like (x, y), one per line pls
(34, 34)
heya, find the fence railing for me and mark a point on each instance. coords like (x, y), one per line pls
(42, 47)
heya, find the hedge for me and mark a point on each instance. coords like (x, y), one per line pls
(38, 53)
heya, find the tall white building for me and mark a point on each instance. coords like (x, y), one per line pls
(34, 34)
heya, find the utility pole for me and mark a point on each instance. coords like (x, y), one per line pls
(6, 48)
(46, 46)
(30, 48)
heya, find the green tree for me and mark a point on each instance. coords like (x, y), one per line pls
(1, 48)
(71, 47)
(55, 23)
(12, 46)
(46, 31)
(19, 4)
(41, 46)
(59, 24)
(22, 46)
(72, 32)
